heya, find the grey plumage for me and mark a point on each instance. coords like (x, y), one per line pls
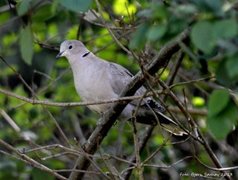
(96, 79)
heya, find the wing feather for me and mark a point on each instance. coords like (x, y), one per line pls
(120, 77)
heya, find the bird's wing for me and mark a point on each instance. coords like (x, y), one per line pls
(120, 77)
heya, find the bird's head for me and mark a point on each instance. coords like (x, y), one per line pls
(70, 48)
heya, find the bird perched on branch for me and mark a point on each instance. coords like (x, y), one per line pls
(96, 79)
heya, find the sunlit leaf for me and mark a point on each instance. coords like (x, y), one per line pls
(123, 7)
(198, 101)
(165, 74)
(158, 140)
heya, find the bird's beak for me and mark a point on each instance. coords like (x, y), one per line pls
(59, 55)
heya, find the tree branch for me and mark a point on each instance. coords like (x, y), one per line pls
(200, 112)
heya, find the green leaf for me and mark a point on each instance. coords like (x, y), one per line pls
(227, 28)
(232, 112)
(218, 101)
(220, 125)
(123, 7)
(26, 44)
(43, 14)
(232, 66)
(23, 7)
(202, 36)
(156, 32)
(215, 5)
(76, 5)
(159, 11)
(222, 74)
(139, 37)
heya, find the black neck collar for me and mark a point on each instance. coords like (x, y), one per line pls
(87, 53)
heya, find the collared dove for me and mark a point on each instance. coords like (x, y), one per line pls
(96, 79)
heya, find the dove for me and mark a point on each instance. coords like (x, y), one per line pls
(96, 79)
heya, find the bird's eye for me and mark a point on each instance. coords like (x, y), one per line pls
(70, 47)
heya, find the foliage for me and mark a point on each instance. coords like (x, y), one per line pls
(205, 83)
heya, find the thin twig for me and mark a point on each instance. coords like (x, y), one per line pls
(191, 82)
(179, 60)
(147, 134)
(192, 111)
(30, 161)
(216, 169)
(108, 28)
(157, 150)
(139, 168)
(169, 166)
(10, 121)
(78, 170)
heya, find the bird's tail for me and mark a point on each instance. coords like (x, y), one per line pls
(157, 117)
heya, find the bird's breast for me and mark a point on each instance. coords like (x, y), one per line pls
(94, 86)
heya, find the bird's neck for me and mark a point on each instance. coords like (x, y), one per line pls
(82, 62)
(82, 58)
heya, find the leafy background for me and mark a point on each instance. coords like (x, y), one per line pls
(206, 82)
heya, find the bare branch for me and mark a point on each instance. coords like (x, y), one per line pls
(69, 104)
(127, 172)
